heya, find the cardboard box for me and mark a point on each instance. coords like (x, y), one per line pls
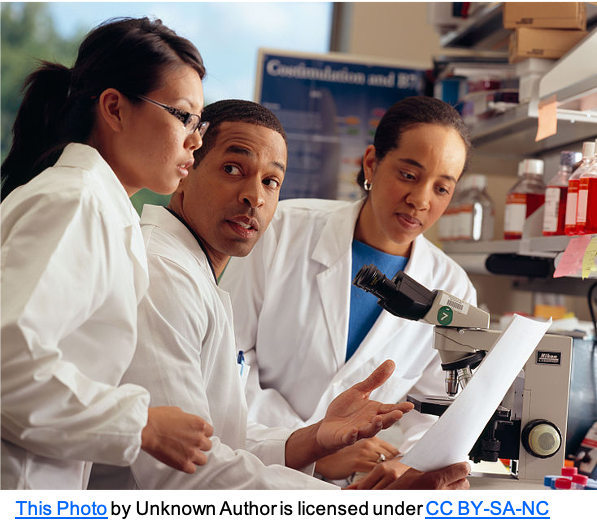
(555, 15)
(542, 43)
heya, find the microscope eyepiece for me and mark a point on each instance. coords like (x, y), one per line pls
(402, 296)
(371, 279)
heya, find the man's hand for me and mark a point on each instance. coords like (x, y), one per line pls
(382, 475)
(452, 477)
(352, 416)
(176, 438)
(362, 456)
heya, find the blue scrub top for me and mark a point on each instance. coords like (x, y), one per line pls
(364, 309)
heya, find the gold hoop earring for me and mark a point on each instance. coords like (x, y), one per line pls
(367, 185)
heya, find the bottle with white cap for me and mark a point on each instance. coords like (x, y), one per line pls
(588, 152)
(556, 195)
(586, 218)
(524, 198)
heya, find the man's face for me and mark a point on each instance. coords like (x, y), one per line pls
(230, 198)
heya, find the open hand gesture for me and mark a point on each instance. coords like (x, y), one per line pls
(352, 416)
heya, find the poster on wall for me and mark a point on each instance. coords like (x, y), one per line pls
(329, 105)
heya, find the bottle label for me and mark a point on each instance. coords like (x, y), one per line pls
(571, 208)
(581, 209)
(466, 220)
(583, 196)
(552, 202)
(514, 217)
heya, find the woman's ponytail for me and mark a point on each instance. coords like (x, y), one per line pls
(38, 130)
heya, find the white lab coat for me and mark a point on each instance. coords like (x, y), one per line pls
(73, 272)
(291, 302)
(186, 357)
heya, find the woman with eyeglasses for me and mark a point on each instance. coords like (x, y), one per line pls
(126, 116)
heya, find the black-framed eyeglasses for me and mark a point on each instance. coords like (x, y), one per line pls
(191, 122)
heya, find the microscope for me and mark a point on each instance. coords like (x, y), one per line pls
(529, 426)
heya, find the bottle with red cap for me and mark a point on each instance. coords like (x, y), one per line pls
(579, 482)
(556, 195)
(563, 483)
(569, 471)
(588, 153)
(524, 198)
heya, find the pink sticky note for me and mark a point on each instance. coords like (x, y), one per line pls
(571, 262)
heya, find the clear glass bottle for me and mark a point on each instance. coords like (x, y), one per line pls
(479, 210)
(556, 195)
(588, 152)
(449, 224)
(524, 198)
(462, 211)
(446, 227)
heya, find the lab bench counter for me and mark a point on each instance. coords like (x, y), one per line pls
(505, 483)
(495, 476)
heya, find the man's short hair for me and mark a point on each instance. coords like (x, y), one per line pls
(235, 111)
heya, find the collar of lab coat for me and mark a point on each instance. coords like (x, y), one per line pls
(88, 158)
(158, 216)
(333, 250)
(119, 209)
(335, 240)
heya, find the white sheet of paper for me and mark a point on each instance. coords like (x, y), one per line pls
(451, 438)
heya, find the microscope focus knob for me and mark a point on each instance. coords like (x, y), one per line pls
(541, 438)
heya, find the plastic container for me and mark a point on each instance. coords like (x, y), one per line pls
(563, 483)
(588, 152)
(579, 482)
(569, 471)
(554, 215)
(524, 198)
(548, 482)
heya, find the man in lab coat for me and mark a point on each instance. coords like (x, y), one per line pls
(186, 352)
(309, 334)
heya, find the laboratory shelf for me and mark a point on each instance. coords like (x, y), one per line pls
(572, 81)
(473, 256)
(546, 246)
(482, 31)
(513, 132)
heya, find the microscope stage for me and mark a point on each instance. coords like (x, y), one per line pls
(430, 405)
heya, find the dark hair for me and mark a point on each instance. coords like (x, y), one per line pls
(131, 55)
(235, 111)
(409, 113)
